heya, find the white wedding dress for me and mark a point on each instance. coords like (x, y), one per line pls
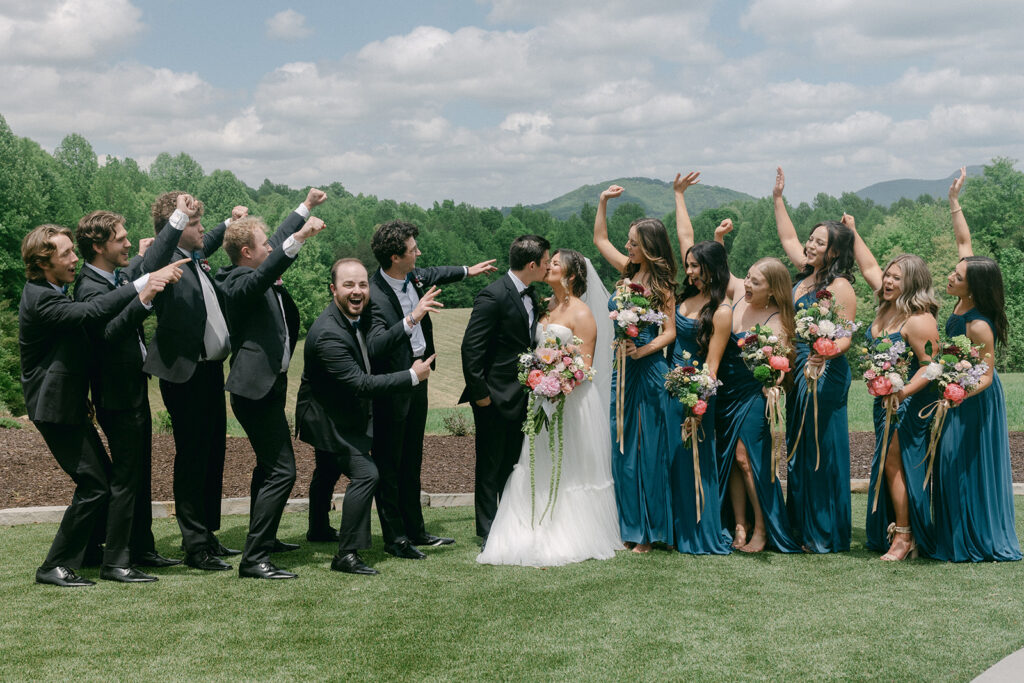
(583, 523)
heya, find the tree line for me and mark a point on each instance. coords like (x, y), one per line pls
(37, 187)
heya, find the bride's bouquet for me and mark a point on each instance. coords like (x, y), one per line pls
(957, 370)
(820, 325)
(550, 373)
(766, 355)
(693, 386)
(633, 312)
(886, 367)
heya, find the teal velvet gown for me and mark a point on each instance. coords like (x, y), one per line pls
(708, 537)
(640, 465)
(974, 515)
(913, 439)
(819, 501)
(740, 416)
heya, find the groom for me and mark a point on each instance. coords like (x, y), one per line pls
(501, 327)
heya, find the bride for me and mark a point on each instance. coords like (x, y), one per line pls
(583, 522)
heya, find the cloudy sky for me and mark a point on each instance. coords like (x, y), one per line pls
(497, 102)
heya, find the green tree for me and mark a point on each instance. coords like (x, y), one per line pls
(77, 162)
(180, 173)
(220, 192)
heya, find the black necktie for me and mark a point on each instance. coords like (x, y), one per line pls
(405, 285)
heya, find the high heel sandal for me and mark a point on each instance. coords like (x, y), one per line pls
(891, 533)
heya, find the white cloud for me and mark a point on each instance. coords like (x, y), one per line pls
(66, 31)
(288, 25)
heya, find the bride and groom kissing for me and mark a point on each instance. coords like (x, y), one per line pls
(512, 480)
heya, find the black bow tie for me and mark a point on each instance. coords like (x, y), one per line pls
(527, 292)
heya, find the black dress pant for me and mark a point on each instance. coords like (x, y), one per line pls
(398, 454)
(498, 442)
(273, 477)
(130, 513)
(199, 418)
(354, 530)
(79, 452)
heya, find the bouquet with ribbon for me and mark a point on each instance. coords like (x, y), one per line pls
(633, 312)
(957, 369)
(886, 367)
(692, 386)
(550, 373)
(766, 355)
(820, 325)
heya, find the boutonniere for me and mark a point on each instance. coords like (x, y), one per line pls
(205, 265)
(278, 282)
(417, 283)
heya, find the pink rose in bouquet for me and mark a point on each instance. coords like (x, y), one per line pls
(880, 386)
(767, 351)
(700, 407)
(955, 393)
(824, 346)
(632, 331)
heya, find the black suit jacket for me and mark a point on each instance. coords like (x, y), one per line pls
(254, 317)
(389, 346)
(177, 344)
(332, 411)
(55, 349)
(497, 333)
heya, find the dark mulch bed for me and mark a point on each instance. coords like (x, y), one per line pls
(31, 476)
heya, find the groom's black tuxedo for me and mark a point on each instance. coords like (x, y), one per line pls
(499, 330)
(399, 420)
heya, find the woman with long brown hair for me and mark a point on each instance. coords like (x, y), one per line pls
(640, 461)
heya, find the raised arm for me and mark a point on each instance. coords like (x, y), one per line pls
(601, 241)
(735, 289)
(791, 243)
(684, 228)
(866, 261)
(960, 229)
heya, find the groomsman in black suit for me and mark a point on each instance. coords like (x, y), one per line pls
(187, 353)
(333, 412)
(264, 324)
(501, 327)
(401, 298)
(55, 364)
(120, 393)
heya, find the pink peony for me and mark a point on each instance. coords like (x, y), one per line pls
(955, 393)
(534, 378)
(700, 407)
(880, 386)
(613, 314)
(780, 363)
(869, 375)
(824, 346)
(548, 386)
(632, 331)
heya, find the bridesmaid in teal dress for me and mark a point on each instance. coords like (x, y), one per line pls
(902, 522)
(974, 510)
(819, 478)
(640, 464)
(703, 322)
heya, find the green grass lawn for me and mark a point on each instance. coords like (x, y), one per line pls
(662, 616)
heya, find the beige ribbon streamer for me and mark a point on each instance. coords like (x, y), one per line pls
(620, 390)
(773, 410)
(691, 425)
(812, 376)
(891, 406)
(939, 409)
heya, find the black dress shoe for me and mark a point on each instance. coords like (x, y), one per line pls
(217, 548)
(432, 540)
(282, 547)
(263, 570)
(154, 559)
(351, 563)
(125, 575)
(405, 550)
(328, 535)
(207, 562)
(61, 576)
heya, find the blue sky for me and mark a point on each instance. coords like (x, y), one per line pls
(497, 102)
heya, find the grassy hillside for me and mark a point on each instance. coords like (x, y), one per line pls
(654, 195)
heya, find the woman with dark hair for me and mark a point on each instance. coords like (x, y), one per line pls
(640, 463)
(818, 438)
(582, 524)
(974, 515)
(901, 522)
(703, 324)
